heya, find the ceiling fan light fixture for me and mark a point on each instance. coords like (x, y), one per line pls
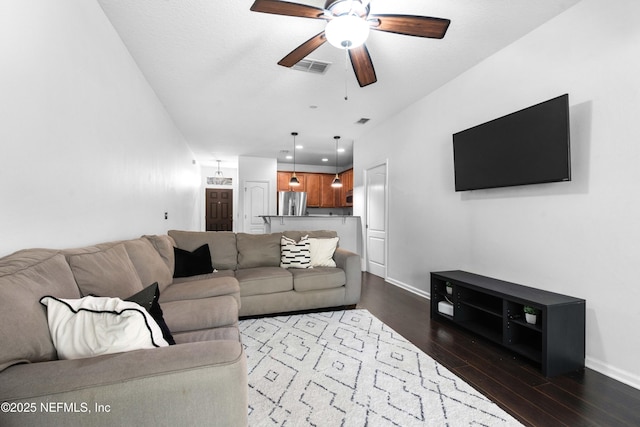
(347, 31)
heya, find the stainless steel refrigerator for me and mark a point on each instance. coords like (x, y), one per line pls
(292, 203)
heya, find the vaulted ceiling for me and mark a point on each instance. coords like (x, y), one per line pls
(213, 64)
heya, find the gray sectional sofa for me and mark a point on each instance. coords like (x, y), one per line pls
(265, 288)
(202, 380)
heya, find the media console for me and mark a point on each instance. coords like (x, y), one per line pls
(494, 309)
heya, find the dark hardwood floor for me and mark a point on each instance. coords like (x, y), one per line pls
(585, 398)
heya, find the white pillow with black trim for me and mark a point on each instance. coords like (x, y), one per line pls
(322, 250)
(92, 326)
(295, 254)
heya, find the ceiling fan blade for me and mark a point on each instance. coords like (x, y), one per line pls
(419, 26)
(303, 50)
(286, 8)
(362, 65)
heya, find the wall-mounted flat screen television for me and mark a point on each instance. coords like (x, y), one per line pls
(530, 146)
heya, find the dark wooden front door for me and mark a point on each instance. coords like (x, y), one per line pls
(219, 211)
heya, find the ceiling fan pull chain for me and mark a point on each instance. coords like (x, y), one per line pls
(346, 73)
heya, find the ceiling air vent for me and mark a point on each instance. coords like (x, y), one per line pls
(312, 66)
(362, 121)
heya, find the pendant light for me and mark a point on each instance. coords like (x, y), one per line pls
(218, 176)
(337, 182)
(293, 182)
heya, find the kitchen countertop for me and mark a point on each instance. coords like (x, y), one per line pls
(267, 218)
(347, 227)
(308, 216)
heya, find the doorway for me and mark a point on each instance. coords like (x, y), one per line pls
(219, 209)
(256, 203)
(376, 220)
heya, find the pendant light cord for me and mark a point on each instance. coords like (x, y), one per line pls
(294, 180)
(336, 138)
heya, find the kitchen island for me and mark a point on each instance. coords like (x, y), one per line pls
(348, 227)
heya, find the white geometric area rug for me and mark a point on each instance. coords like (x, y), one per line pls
(347, 368)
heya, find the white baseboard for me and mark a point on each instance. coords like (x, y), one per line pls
(419, 292)
(625, 377)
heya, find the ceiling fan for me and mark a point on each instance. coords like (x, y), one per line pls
(348, 25)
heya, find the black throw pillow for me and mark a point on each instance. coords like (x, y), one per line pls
(148, 299)
(192, 263)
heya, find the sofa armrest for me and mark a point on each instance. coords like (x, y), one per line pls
(186, 384)
(350, 263)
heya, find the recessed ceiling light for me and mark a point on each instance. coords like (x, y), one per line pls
(340, 150)
(299, 147)
(324, 159)
(289, 157)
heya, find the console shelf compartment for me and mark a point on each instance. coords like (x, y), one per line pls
(494, 308)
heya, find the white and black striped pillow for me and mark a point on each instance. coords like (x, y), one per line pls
(295, 254)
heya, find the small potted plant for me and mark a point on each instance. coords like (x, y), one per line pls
(448, 287)
(530, 314)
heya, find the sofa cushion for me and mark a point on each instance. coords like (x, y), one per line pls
(92, 326)
(258, 250)
(204, 286)
(222, 245)
(148, 299)
(222, 333)
(148, 263)
(317, 278)
(107, 273)
(322, 251)
(25, 277)
(199, 314)
(164, 244)
(213, 275)
(192, 263)
(264, 280)
(137, 379)
(295, 254)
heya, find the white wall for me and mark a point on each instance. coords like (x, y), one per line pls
(579, 238)
(88, 152)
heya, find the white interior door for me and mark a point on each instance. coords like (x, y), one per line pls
(376, 220)
(256, 202)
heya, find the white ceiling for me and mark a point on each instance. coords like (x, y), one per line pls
(213, 64)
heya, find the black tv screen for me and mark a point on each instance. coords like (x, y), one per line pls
(529, 146)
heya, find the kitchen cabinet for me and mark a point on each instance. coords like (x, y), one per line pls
(347, 186)
(312, 187)
(320, 193)
(283, 181)
(328, 194)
